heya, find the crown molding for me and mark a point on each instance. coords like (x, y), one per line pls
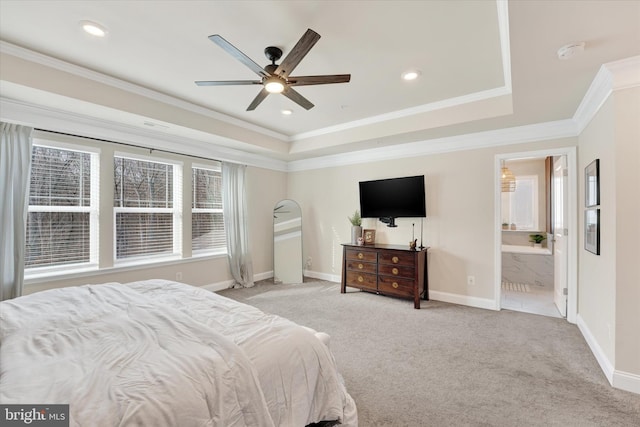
(76, 70)
(612, 76)
(77, 124)
(472, 141)
(426, 108)
(505, 41)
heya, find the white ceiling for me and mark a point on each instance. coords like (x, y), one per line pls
(485, 65)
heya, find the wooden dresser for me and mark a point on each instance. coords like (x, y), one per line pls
(386, 269)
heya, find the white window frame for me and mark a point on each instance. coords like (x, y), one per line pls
(211, 251)
(92, 210)
(176, 212)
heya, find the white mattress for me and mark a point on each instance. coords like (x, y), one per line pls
(165, 354)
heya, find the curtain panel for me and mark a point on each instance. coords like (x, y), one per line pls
(234, 205)
(15, 167)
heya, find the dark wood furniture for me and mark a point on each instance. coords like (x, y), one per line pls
(386, 269)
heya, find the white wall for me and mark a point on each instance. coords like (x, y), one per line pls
(609, 297)
(460, 218)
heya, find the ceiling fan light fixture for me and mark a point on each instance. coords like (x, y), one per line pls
(273, 85)
(93, 28)
(287, 112)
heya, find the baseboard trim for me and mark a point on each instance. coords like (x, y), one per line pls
(485, 303)
(626, 381)
(601, 358)
(618, 379)
(226, 284)
(322, 276)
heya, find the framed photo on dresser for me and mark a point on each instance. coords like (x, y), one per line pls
(369, 236)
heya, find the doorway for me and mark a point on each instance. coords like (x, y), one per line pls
(539, 280)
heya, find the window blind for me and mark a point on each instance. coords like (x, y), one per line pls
(146, 208)
(61, 220)
(207, 222)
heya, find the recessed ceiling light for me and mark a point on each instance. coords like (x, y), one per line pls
(569, 50)
(286, 112)
(410, 75)
(93, 28)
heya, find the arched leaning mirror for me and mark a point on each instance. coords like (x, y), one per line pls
(287, 242)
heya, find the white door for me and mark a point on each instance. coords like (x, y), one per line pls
(559, 230)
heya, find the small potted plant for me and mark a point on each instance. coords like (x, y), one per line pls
(356, 227)
(536, 239)
(505, 225)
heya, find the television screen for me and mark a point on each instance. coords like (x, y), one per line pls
(393, 198)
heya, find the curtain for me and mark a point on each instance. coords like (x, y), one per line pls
(234, 205)
(15, 166)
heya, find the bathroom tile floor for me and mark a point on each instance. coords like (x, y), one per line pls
(530, 299)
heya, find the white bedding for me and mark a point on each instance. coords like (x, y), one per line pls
(165, 354)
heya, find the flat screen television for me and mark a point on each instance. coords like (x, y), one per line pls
(392, 198)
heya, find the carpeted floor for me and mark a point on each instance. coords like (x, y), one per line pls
(450, 365)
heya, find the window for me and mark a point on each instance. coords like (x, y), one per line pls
(147, 207)
(521, 206)
(207, 222)
(62, 226)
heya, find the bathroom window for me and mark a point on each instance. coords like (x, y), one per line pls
(521, 206)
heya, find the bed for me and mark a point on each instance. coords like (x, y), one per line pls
(164, 353)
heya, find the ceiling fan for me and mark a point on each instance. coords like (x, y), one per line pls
(276, 78)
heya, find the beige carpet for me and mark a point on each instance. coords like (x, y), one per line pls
(450, 365)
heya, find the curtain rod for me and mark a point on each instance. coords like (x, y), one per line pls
(151, 150)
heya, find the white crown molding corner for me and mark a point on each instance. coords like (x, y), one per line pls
(612, 76)
(625, 72)
(58, 64)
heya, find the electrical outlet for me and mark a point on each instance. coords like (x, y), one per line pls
(471, 280)
(308, 263)
(179, 275)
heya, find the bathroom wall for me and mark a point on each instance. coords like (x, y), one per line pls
(535, 270)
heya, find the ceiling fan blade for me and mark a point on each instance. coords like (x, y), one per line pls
(318, 80)
(298, 52)
(236, 53)
(228, 82)
(297, 98)
(258, 99)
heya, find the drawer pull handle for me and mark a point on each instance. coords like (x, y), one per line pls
(360, 255)
(360, 279)
(395, 259)
(394, 271)
(360, 266)
(395, 285)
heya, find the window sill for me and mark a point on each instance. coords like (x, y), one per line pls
(49, 276)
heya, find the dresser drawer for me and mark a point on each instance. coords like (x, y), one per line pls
(395, 286)
(360, 255)
(362, 280)
(397, 258)
(365, 267)
(396, 270)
